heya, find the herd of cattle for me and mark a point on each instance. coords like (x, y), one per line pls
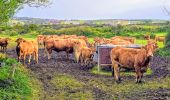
(83, 51)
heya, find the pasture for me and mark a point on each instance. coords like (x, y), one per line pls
(61, 79)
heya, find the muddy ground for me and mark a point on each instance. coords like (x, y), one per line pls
(46, 69)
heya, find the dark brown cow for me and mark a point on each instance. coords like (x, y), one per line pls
(58, 45)
(147, 37)
(4, 44)
(132, 58)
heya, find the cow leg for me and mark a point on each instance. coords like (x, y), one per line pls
(86, 62)
(49, 53)
(24, 58)
(67, 54)
(112, 71)
(78, 58)
(138, 75)
(45, 52)
(36, 57)
(3, 49)
(116, 73)
(19, 57)
(29, 59)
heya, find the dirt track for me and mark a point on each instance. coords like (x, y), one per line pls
(46, 69)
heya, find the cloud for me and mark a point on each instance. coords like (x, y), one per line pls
(97, 9)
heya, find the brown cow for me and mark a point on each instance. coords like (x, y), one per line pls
(82, 51)
(59, 45)
(147, 37)
(78, 43)
(25, 48)
(129, 39)
(40, 39)
(119, 41)
(99, 41)
(160, 39)
(86, 55)
(4, 44)
(132, 58)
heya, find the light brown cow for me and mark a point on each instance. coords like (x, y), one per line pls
(25, 48)
(84, 53)
(160, 39)
(40, 39)
(129, 39)
(132, 58)
(78, 44)
(4, 44)
(119, 41)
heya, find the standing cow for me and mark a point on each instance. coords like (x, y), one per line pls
(132, 58)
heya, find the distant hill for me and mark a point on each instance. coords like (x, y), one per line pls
(27, 20)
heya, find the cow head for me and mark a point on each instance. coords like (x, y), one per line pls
(151, 47)
(76, 43)
(19, 40)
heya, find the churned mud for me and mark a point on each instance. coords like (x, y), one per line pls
(46, 70)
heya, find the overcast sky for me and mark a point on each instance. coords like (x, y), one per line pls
(99, 9)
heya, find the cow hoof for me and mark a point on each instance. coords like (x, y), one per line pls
(118, 81)
(139, 82)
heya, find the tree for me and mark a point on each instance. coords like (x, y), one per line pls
(9, 7)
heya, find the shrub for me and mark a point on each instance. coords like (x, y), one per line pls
(167, 40)
(163, 52)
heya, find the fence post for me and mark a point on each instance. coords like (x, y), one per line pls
(98, 57)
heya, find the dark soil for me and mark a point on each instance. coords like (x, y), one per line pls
(46, 70)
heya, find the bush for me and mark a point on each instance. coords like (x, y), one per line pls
(22, 87)
(163, 52)
(167, 40)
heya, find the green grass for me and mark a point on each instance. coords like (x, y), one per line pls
(24, 87)
(70, 88)
(109, 73)
(128, 88)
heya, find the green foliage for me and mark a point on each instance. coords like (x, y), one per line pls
(22, 87)
(7, 9)
(163, 52)
(167, 40)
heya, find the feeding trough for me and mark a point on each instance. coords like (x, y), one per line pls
(103, 53)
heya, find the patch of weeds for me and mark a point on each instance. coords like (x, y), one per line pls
(70, 88)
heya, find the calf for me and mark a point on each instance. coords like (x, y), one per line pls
(4, 44)
(82, 52)
(86, 55)
(132, 58)
(78, 43)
